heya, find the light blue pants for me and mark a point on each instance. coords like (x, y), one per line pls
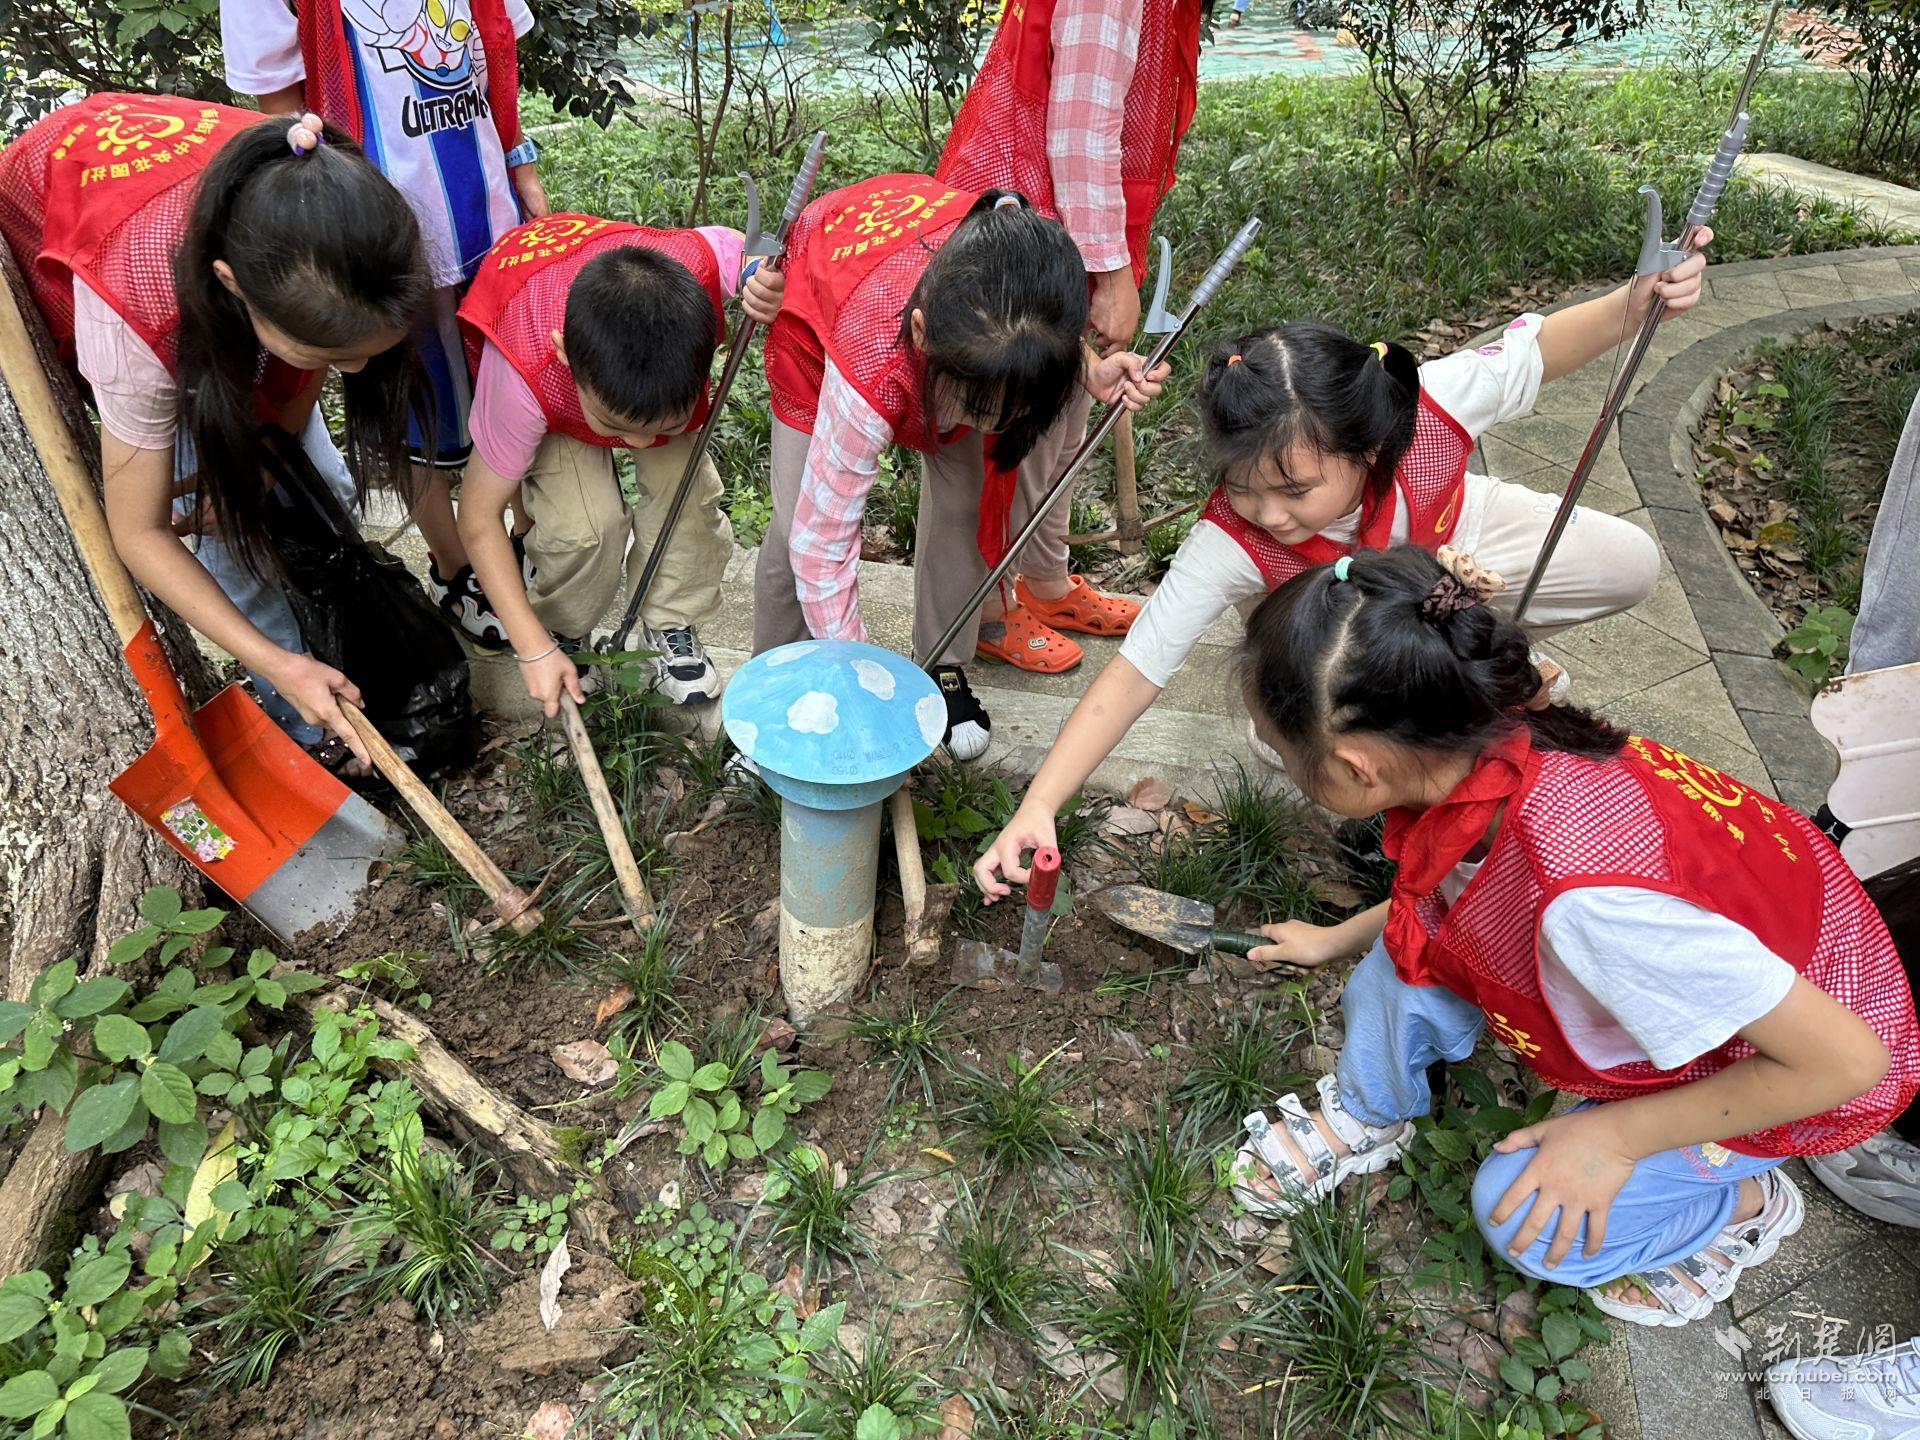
(1671, 1207)
(261, 598)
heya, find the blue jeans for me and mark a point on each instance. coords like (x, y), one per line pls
(1671, 1207)
(259, 597)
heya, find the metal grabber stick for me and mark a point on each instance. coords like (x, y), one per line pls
(770, 250)
(1656, 255)
(1169, 327)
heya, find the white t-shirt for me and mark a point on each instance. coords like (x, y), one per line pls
(422, 85)
(138, 400)
(1210, 572)
(1637, 974)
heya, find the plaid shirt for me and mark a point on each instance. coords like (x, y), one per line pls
(1095, 45)
(824, 542)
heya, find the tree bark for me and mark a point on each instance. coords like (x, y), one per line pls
(73, 859)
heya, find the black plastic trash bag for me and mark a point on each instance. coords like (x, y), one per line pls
(363, 613)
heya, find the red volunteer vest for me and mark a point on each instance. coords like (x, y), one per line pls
(100, 190)
(330, 65)
(518, 299)
(1658, 820)
(853, 260)
(999, 138)
(1430, 482)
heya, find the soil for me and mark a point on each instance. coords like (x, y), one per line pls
(1740, 447)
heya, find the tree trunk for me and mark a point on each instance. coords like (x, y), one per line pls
(73, 859)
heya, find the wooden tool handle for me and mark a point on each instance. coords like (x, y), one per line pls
(1126, 494)
(513, 903)
(72, 482)
(906, 848)
(626, 870)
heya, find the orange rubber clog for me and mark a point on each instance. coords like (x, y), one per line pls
(1082, 609)
(1025, 643)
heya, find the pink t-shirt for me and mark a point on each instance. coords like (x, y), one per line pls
(507, 422)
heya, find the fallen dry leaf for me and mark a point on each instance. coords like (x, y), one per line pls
(1152, 793)
(778, 1035)
(956, 1418)
(586, 1061)
(558, 1263)
(615, 1000)
(550, 1422)
(1199, 814)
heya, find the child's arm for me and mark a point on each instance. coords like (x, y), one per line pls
(484, 497)
(1304, 945)
(1572, 337)
(1814, 1054)
(1117, 698)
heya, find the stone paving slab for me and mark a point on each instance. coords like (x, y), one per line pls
(1885, 202)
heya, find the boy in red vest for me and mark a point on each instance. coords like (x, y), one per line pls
(585, 335)
(431, 91)
(1080, 106)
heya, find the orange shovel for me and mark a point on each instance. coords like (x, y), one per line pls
(224, 785)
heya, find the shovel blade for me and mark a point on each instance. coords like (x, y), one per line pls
(257, 815)
(1174, 920)
(988, 967)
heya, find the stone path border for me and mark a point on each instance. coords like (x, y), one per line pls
(1656, 442)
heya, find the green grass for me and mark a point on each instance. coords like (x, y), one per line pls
(1018, 1124)
(1240, 1068)
(273, 1295)
(1164, 1176)
(813, 1219)
(1343, 1328)
(436, 1215)
(879, 1373)
(916, 1040)
(652, 974)
(1257, 860)
(1003, 1281)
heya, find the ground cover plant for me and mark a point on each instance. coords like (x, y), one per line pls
(1793, 456)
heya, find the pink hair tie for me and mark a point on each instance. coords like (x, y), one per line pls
(305, 134)
(1379, 348)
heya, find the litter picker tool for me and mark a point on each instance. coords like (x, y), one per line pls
(1169, 327)
(1174, 920)
(977, 963)
(223, 785)
(626, 870)
(1656, 255)
(769, 250)
(514, 904)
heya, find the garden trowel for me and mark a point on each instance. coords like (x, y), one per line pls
(1174, 920)
(977, 963)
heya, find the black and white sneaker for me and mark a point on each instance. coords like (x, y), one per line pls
(462, 600)
(968, 728)
(686, 672)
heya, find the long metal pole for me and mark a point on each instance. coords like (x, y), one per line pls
(1701, 212)
(742, 340)
(1202, 293)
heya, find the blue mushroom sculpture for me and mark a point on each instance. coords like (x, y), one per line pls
(834, 726)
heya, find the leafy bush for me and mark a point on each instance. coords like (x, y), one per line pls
(717, 1121)
(1878, 41)
(1817, 647)
(928, 47)
(50, 47)
(1451, 75)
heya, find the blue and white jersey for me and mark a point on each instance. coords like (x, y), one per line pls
(421, 76)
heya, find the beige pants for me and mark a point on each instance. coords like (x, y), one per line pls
(581, 526)
(947, 567)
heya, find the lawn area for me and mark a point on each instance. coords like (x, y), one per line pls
(1548, 212)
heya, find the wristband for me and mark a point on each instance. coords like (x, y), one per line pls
(529, 659)
(525, 153)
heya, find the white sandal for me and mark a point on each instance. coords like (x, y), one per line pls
(1374, 1148)
(1717, 1267)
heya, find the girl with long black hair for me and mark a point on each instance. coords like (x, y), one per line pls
(205, 269)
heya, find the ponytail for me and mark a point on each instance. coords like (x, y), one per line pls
(1004, 303)
(1400, 649)
(1312, 384)
(325, 249)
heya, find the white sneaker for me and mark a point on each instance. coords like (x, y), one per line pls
(1879, 1177)
(1850, 1397)
(686, 672)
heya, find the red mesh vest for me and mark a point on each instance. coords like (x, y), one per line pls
(519, 298)
(999, 138)
(1430, 482)
(1659, 820)
(100, 190)
(853, 259)
(330, 63)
